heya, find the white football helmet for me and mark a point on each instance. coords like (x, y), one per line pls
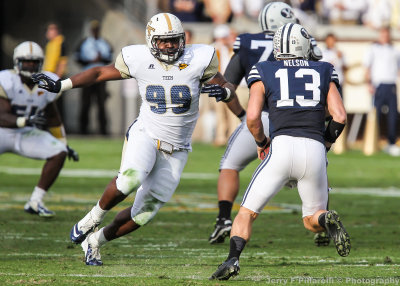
(274, 15)
(165, 27)
(28, 51)
(291, 41)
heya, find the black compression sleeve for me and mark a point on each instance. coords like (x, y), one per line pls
(234, 71)
(333, 131)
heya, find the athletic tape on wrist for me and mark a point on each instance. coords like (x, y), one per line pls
(66, 84)
(21, 122)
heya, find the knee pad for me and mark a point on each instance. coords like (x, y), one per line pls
(128, 181)
(145, 213)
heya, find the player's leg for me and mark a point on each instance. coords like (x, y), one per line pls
(138, 158)
(312, 186)
(156, 189)
(39, 144)
(241, 150)
(268, 179)
(85, 108)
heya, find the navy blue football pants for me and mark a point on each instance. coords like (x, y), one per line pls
(385, 94)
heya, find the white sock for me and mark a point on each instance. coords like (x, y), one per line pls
(97, 239)
(97, 213)
(37, 194)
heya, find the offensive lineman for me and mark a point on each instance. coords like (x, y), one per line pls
(25, 109)
(157, 143)
(297, 92)
(241, 150)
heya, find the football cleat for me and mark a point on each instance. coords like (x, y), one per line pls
(226, 270)
(337, 233)
(80, 230)
(92, 254)
(222, 229)
(37, 207)
(321, 239)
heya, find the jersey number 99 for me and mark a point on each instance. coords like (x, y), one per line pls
(180, 98)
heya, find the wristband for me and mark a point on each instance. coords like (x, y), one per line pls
(66, 84)
(262, 143)
(242, 114)
(21, 122)
(228, 95)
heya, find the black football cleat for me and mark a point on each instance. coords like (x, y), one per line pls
(337, 233)
(222, 229)
(226, 270)
(321, 239)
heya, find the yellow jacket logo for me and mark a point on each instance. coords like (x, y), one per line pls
(183, 66)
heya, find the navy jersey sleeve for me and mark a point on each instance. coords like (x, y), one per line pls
(254, 76)
(234, 71)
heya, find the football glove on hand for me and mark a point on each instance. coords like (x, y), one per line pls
(36, 120)
(72, 154)
(46, 82)
(217, 91)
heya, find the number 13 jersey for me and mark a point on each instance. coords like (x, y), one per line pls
(296, 92)
(170, 93)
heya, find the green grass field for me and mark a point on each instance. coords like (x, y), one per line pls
(173, 249)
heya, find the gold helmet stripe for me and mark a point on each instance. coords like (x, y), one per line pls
(168, 21)
(30, 48)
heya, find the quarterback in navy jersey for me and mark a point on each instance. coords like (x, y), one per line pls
(297, 92)
(249, 49)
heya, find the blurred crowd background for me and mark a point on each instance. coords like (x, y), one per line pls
(344, 30)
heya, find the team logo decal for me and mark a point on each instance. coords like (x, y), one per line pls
(149, 30)
(287, 13)
(304, 33)
(183, 66)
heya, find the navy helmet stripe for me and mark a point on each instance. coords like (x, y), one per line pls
(288, 38)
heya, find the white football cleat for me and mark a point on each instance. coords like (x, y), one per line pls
(38, 207)
(92, 254)
(82, 229)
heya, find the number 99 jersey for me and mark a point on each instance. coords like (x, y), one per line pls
(296, 92)
(170, 93)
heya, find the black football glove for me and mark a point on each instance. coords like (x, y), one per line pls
(37, 120)
(217, 91)
(47, 83)
(72, 154)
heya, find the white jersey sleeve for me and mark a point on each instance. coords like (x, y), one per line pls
(170, 93)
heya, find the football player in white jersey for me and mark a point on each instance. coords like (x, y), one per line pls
(296, 146)
(157, 143)
(26, 109)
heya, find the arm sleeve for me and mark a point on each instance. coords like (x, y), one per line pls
(234, 71)
(122, 67)
(211, 69)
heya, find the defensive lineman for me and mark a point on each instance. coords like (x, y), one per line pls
(297, 94)
(241, 150)
(26, 109)
(157, 143)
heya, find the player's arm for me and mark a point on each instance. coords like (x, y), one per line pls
(232, 101)
(338, 112)
(234, 72)
(254, 110)
(85, 78)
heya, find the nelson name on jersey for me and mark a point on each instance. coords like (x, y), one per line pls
(295, 63)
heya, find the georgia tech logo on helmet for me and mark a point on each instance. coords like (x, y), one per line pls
(304, 33)
(183, 66)
(149, 30)
(287, 13)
